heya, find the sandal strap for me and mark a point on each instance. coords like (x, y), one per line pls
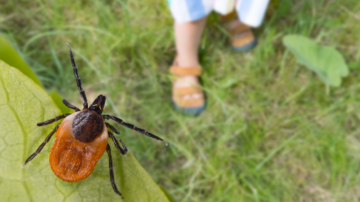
(228, 17)
(181, 71)
(190, 103)
(187, 91)
(239, 29)
(242, 38)
(179, 93)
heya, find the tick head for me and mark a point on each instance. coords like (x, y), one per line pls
(98, 104)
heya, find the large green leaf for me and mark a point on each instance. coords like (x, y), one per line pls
(9, 55)
(326, 61)
(23, 104)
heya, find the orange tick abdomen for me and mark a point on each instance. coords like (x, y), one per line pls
(72, 160)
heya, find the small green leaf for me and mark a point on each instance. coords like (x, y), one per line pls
(326, 61)
(23, 104)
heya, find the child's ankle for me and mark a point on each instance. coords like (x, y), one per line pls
(187, 61)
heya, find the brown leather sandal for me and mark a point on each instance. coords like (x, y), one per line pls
(192, 106)
(241, 37)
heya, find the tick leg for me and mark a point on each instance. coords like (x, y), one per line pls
(116, 143)
(52, 120)
(78, 80)
(128, 125)
(42, 145)
(112, 180)
(112, 128)
(70, 105)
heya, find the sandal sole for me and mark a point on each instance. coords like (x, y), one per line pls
(246, 47)
(194, 111)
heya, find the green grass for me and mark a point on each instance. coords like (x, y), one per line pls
(270, 132)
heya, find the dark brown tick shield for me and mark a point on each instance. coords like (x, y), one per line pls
(82, 138)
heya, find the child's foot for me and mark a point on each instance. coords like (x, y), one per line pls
(187, 95)
(187, 81)
(241, 37)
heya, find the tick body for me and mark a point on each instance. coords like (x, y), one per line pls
(71, 159)
(82, 138)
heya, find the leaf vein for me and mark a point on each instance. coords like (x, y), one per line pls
(22, 130)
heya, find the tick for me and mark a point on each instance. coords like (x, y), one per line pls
(82, 138)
